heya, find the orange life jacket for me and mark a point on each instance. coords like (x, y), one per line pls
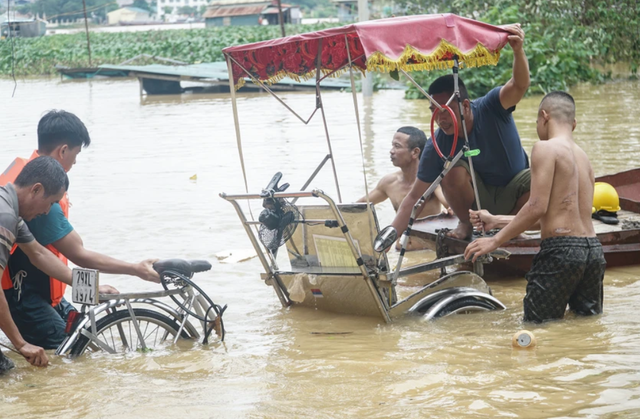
(56, 287)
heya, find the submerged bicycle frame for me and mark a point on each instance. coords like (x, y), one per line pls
(85, 329)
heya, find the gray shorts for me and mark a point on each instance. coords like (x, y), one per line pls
(500, 200)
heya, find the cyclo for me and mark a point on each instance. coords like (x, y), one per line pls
(336, 250)
(139, 321)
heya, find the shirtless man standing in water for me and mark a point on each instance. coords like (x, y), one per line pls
(570, 266)
(406, 148)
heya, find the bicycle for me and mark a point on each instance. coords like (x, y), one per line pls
(115, 325)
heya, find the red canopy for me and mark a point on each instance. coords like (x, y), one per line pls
(410, 43)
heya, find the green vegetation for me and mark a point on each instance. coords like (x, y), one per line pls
(36, 56)
(563, 39)
(68, 10)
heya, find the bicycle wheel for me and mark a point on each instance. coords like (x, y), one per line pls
(118, 332)
(464, 305)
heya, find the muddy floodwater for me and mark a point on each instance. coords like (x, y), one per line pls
(133, 198)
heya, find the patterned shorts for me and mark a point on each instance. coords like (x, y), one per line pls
(567, 270)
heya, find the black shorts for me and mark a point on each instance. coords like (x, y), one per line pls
(567, 270)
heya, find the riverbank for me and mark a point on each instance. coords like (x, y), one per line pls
(39, 56)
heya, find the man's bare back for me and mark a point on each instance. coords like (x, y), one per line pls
(571, 200)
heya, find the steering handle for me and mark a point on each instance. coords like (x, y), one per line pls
(455, 132)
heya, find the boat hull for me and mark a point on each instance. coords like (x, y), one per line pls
(621, 243)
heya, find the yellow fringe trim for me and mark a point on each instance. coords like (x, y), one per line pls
(477, 57)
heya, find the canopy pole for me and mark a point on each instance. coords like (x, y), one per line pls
(271, 92)
(357, 112)
(324, 118)
(456, 92)
(234, 106)
(428, 96)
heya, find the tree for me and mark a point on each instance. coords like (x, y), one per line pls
(142, 4)
(187, 10)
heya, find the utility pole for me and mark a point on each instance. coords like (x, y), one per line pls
(86, 28)
(280, 19)
(367, 81)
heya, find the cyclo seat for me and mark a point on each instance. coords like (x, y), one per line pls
(181, 266)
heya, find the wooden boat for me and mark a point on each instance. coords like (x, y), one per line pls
(621, 242)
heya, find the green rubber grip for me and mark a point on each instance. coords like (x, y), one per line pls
(471, 153)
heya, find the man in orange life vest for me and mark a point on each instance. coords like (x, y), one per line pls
(36, 301)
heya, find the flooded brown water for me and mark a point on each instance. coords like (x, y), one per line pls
(132, 198)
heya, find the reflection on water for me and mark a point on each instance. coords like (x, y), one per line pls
(132, 198)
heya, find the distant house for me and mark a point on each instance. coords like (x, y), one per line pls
(23, 28)
(128, 15)
(250, 12)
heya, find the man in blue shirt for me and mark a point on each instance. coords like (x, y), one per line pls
(502, 168)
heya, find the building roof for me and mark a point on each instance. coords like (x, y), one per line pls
(221, 11)
(274, 9)
(136, 9)
(238, 2)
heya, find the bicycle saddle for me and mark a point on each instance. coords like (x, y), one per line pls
(184, 267)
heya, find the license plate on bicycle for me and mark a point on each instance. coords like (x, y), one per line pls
(85, 286)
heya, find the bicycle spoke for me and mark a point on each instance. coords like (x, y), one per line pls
(151, 328)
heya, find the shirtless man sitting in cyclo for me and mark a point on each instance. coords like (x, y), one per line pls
(406, 148)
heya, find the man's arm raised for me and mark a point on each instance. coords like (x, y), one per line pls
(513, 91)
(401, 221)
(543, 163)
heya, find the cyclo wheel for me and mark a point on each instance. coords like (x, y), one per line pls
(118, 332)
(464, 305)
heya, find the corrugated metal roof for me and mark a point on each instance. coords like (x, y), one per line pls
(232, 11)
